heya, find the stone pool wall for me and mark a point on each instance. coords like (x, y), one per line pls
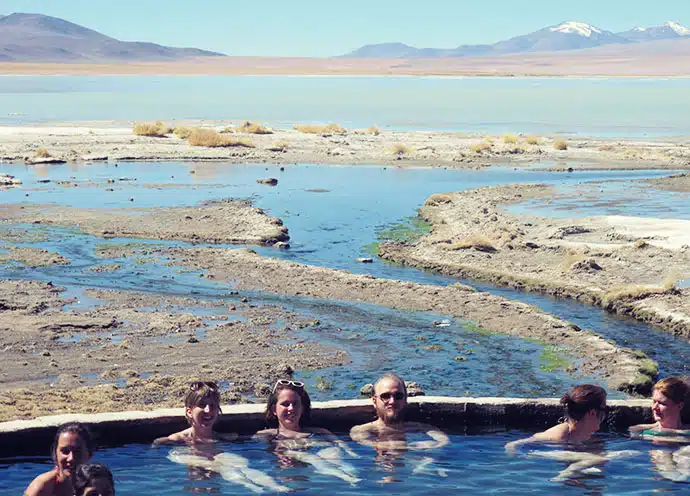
(34, 437)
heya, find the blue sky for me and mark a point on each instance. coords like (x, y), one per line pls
(323, 28)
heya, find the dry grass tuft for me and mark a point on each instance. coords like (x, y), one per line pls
(280, 146)
(570, 259)
(560, 144)
(481, 147)
(183, 132)
(154, 130)
(252, 128)
(476, 241)
(532, 140)
(510, 138)
(373, 130)
(401, 149)
(42, 153)
(212, 139)
(638, 291)
(331, 128)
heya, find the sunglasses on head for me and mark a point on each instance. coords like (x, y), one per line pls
(285, 382)
(397, 396)
(196, 385)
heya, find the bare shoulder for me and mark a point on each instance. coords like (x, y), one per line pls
(420, 427)
(43, 484)
(641, 427)
(371, 426)
(556, 433)
(176, 438)
(266, 433)
(226, 436)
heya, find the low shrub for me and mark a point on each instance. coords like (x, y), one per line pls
(332, 128)
(481, 147)
(570, 259)
(532, 140)
(280, 146)
(212, 139)
(401, 149)
(560, 144)
(42, 153)
(252, 128)
(510, 138)
(476, 241)
(183, 132)
(155, 130)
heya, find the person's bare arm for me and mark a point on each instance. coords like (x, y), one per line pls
(554, 434)
(362, 434)
(176, 438)
(336, 440)
(439, 439)
(635, 429)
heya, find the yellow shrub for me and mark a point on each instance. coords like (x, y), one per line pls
(531, 140)
(211, 138)
(401, 149)
(481, 147)
(510, 138)
(332, 128)
(155, 130)
(251, 128)
(42, 153)
(182, 132)
(560, 144)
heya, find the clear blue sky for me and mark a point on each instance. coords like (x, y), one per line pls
(323, 28)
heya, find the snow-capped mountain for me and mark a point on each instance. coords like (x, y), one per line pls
(668, 31)
(569, 35)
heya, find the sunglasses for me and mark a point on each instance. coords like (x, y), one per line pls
(285, 382)
(397, 396)
(196, 385)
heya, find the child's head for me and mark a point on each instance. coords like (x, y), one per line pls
(202, 403)
(93, 479)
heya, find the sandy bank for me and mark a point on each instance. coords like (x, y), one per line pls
(626, 265)
(139, 351)
(623, 369)
(392, 148)
(220, 221)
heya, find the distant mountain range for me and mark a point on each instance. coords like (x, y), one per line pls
(41, 38)
(570, 35)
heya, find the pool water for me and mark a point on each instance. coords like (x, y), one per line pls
(476, 463)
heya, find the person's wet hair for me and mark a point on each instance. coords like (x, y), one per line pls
(75, 428)
(390, 376)
(677, 389)
(282, 385)
(200, 392)
(581, 399)
(88, 473)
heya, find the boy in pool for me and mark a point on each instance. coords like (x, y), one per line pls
(202, 406)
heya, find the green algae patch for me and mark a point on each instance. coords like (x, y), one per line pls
(552, 359)
(408, 230)
(476, 328)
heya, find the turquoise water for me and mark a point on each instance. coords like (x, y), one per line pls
(476, 463)
(586, 106)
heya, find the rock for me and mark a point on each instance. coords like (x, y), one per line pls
(441, 323)
(192, 339)
(364, 260)
(366, 390)
(45, 353)
(529, 244)
(460, 358)
(94, 158)
(8, 180)
(127, 179)
(44, 160)
(587, 265)
(282, 245)
(335, 152)
(268, 181)
(286, 369)
(413, 389)
(262, 390)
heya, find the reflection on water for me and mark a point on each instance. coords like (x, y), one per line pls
(476, 463)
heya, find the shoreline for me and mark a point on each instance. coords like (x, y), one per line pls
(112, 141)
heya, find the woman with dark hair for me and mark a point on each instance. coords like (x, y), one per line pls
(288, 413)
(584, 409)
(93, 479)
(72, 446)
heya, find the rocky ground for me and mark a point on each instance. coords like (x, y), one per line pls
(139, 351)
(115, 141)
(223, 221)
(627, 265)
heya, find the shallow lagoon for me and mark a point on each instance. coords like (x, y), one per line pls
(628, 107)
(476, 463)
(334, 213)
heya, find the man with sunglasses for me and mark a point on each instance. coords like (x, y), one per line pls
(389, 432)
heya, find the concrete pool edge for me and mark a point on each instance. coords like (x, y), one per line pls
(454, 413)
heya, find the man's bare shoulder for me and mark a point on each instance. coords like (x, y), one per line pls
(176, 438)
(371, 426)
(419, 427)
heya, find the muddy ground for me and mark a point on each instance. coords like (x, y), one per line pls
(220, 221)
(115, 141)
(139, 351)
(627, 265)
